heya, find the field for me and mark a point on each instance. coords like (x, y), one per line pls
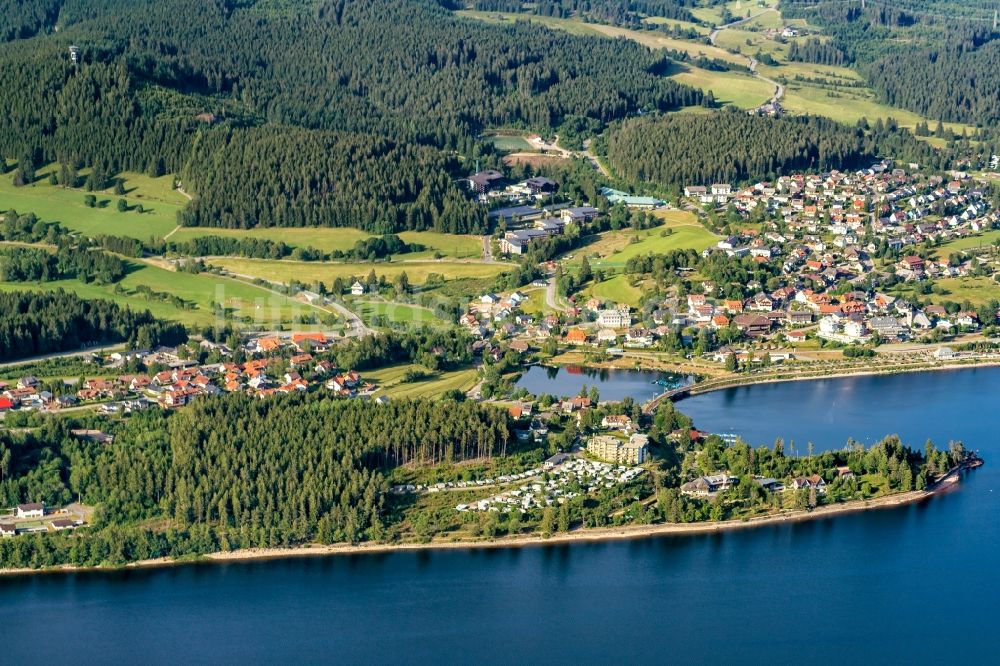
(329, 239)
(738, 8)
(848, 106)
(52, 203)
(659, 20)
(391, 382)
(617, 290)
(309, 272)
(971, 242)
(656, 40)
(199, 292)
(614, 248)
(535, 304)
(742, 90)
(978, 291)
(510, 143)
(372, 311)
(533, 160)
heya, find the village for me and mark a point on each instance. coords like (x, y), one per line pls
(276, 364)
(849, 254)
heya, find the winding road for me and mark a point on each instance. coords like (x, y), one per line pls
(779, 90)
(354, 325)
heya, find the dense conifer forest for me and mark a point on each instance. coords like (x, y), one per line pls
(233, 472)
(616, 12)
(29, 264)
(328, 112)
(938, 58)
(42, 323)
(731, 146)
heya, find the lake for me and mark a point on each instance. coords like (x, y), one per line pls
(613, 385)
(916, 584)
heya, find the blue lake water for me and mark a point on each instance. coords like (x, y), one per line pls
(916, 584)
(612, 385)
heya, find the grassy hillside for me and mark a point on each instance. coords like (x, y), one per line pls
(52, 203)
(417, 271)
(199, 294)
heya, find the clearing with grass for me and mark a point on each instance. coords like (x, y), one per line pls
(680, 231)
(53, 203)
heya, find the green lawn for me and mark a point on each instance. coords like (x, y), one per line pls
(977, 291)
(455, 246)
(616, 289)
(651, 242)
(612, 249)
(327, 272)
(56, 204)
(510, 143)
(199, 291)
(968, 243)
(535, 304)
(343, 238)
(395, 313)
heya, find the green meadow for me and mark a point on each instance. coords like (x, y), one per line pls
(52, 203)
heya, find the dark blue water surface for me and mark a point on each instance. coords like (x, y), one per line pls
(613, 385)
(917, 584)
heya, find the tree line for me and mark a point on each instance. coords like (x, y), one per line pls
(30, 264)
(815, 50)
(234, 472)
(335, 113)
(614, 12)
(732, 146)
(32, 324)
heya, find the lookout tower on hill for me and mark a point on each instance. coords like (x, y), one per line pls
(74, 54)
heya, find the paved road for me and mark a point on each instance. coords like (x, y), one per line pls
(551, 298)
(594, 162)
(715, 33)
(67, 354)
(354, 324)
(779, 90)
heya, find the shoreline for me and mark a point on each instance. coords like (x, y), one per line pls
(580, 535)
(739, 381)
(863, 372)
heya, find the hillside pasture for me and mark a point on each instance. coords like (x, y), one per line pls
(199, 294)
(53, 203)
(310, 272)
